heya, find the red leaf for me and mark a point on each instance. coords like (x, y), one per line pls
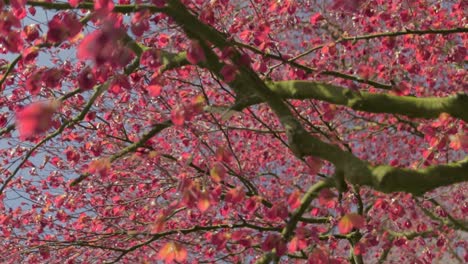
(195, 53)
(163, 40)
(63, 26)
(44, 252)
(152, 59)
(223, 155)
(86, 79)
(297, 244)
(274, 241)
(294, 199)
(178, 116)
(159, 3)
(219, 240)
(99, 166)
(3, 120)
(270, 242)
(140, 23)
(318, 257)
(459, 141)
(279, 210)
(228, 72)
(103, 6)
(359, 249)
(30, 54)
(105, 45)
(154, 90)
(32, 10)
(74, 3)
(32, 33)
(33, 83)
(347, 5)
(13, 41)
(158, 225)
(217, 172)
(314, 163)
(350, 221)
(19, 8)
(72, 155)
(252, 204)
(52, 77)
(315, 19)
(203, 202)
(35, 119)
(327, 198)
(172, 251)
(235, 195)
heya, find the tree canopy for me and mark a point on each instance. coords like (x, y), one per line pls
(233, 131)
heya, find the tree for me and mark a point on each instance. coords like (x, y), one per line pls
(233, 131)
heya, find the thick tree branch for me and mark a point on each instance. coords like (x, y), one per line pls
(429, 107)
(251, 89)
(416, 107)
(390, 179)
(383, 178)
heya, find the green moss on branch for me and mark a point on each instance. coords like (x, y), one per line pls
(430, 107)
(384, 178)
(391, 179)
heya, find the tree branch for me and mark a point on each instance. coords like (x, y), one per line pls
(98, 91)
(382, 178)
(90, 6)
(131, 148)
(386, 34)
(429, 107)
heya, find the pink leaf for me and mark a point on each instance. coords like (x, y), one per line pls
(35, 119)
(203, 202)
(103, 6)
(178, 116)
(195, 53)
(100, 167)
(294, 199)
(217, 172)
(172, 251)
(327, 198)
(228, 72)
(314, 19)
(63, 26)
(459, 141)
(235, 195)
(223, 155)
(86, 79)
(74, 3)
(350, 221)
(19, 8)
(314, 163)
(154, 89)
(159, 3)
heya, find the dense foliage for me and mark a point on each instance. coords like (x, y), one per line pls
(233, 131)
